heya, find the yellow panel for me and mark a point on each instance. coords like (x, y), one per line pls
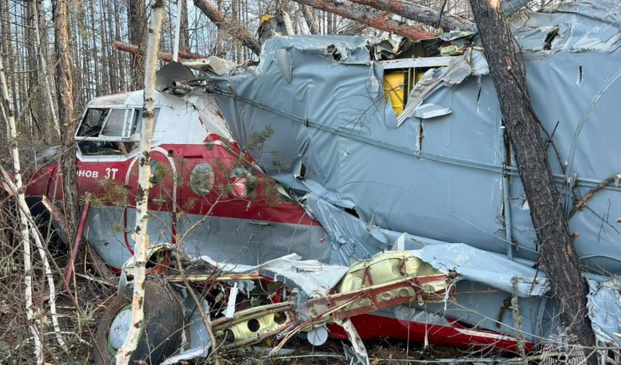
(419, 74)
(388, 267)
(394, 87)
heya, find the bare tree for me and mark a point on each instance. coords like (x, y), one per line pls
(137, 22)
(46, 80)
(310, 19)
(523, 128)
(64, 92)
(184, 40)
(144, 175)
(232, 27)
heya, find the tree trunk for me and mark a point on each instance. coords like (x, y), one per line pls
(120, 61)
(9, 50)
(310, 19)
(522, 124)
(418, 13)
(35, 98)
(232, 27)
(386, 24)
(144, 175)
(64, 92)
(46, 79)
(184, 40)
(99, 64)
(137, 23)
(106, 60)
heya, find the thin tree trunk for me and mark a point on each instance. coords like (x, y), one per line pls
(121, 84)
(10, 52)
(310, 19)
(106, 60)
(226, 25)
(94, 54)
(386, 24)
(144, 175)
(34, 103)
(75, 53)
(137, 23)
(184, 40)
(64, 87)
(46, 79)
(329, 23)
(523, 128)
(9, 116)
(235, 18)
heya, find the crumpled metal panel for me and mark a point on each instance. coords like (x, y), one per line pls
(486, 267)
(370, 178)
(313, 277)
(582, 27)
(441, 178)
(471, 63)
(351, 237)
(247, 242)
(604, 305)
(352, 149)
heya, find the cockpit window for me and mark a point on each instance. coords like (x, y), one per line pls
(109, 131)
(92, 123)
(116, 122)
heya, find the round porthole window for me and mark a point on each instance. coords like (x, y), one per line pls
(202, 178)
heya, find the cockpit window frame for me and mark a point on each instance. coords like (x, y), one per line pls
(110, 146)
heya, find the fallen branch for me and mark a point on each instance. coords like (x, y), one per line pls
(582, 202)
(56, 214)
(380, 22)
(97, 280)
(230, 26)
(131, 48)
(419, 13)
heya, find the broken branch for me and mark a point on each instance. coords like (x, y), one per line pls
(161, 55)
(582, 202)
(230, 26)
(418, 13)
(380, 22)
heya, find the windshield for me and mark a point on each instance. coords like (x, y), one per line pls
(108, 131)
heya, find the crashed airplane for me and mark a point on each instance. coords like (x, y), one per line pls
(400, 211)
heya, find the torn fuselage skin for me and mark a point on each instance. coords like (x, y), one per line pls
(407, 154)
(427, 154)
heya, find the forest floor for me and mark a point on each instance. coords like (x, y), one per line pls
(79, 330)
(80, 310)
